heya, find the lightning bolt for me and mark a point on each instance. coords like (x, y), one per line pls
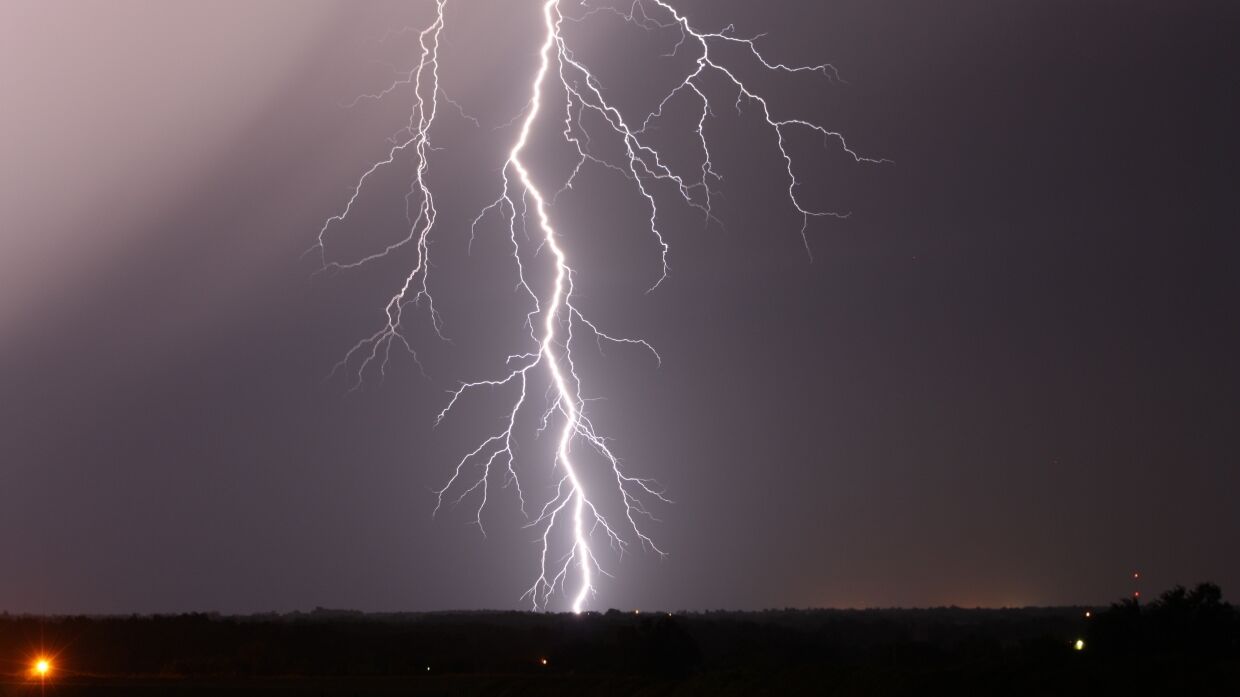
(569, 521)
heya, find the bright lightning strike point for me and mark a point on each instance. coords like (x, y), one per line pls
(571, 511)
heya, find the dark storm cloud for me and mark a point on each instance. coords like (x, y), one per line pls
(1009, 378)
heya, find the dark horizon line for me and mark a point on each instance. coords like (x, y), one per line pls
(344, 613)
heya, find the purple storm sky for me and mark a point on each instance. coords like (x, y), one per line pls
(1009, 378)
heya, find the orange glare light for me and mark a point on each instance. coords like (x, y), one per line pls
(42, 667)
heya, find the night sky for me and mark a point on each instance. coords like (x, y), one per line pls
(1010, 378)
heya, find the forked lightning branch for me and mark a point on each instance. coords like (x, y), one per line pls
(571, 530)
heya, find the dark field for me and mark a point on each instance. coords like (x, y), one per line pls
(1187, 642)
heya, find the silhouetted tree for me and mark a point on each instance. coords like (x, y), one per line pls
(1195, 624)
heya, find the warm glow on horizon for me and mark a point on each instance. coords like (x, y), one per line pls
(42, 667)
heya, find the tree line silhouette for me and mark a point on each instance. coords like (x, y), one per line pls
(1185, 642)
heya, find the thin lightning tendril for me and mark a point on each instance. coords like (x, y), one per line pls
(553, 317)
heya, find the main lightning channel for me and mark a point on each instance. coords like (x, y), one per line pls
(581, 544)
